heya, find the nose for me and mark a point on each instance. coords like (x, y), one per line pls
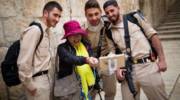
(57, 19)
(94, 18)
(110, 14)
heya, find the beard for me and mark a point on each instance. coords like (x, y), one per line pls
(115, 19)
(51, 22)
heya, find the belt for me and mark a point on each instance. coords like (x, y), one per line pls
(40, 73)
(142, 60)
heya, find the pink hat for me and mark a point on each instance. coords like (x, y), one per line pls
(72, 28)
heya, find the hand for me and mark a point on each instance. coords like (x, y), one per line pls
(162, 66)
(32, 92)
(92, 61)
(120, 74)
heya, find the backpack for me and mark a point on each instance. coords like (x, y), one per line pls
(9, 66)
(130, 17)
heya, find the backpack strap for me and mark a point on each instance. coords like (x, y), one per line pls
(100, 43)
(108, 32)
(126, 36)
(109, 35)
(41, 29)
(128, 62)
(131, 18)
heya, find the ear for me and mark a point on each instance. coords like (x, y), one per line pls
(45, 13)
(118, 8)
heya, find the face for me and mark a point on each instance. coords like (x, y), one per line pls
(74, 39)
(52, 17)
(112, 13)
(93, 15)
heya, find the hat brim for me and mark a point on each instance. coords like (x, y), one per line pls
(78, 31)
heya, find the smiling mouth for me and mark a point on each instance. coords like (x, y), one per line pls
(113, 17)
(76, 42)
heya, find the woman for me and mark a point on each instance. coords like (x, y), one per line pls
(74, 59)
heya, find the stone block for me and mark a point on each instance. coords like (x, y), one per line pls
(2, 40)
(66, 7)
(77, 8)
(7, 8)
(3, 51)
(81, 20)
(14, 26)
(128, 5)
(33, 8)
(3, 88)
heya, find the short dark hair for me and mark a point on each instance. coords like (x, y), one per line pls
(52, 4)
(91, 4)
(109, 3)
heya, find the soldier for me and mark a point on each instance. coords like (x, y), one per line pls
(35, 63)
(94, 26)
(145, 73)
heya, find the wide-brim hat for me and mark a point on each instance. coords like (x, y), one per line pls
(73, 28)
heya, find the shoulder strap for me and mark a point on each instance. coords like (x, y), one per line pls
(108, 32)
(131, 18)
(40, 27)
(128, 62)
(109, 35)
(100, 43)
(126, 36)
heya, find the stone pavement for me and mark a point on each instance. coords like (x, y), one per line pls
(176, 90)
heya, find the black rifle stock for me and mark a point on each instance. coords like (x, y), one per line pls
(128, 76)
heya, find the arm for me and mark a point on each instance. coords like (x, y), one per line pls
(69, 58)
(159, 49)
(73, 59)
(28, 44)
(151, 34)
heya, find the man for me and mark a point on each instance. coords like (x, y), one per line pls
(146, 74)
(93, 26)
(34, 63)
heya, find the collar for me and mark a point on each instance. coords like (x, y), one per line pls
(119, 25)
(96, 28)
(43, 25)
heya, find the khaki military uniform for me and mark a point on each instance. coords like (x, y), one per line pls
(145, 75)
(16, 93)
(31, 62)
(109, 82)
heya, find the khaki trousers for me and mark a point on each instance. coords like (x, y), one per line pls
(16, 92)
(147, 77)
(42, 84)
(109, 87)
(74, 96)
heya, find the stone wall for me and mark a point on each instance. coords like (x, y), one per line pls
(155, 10)
(15, 15)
